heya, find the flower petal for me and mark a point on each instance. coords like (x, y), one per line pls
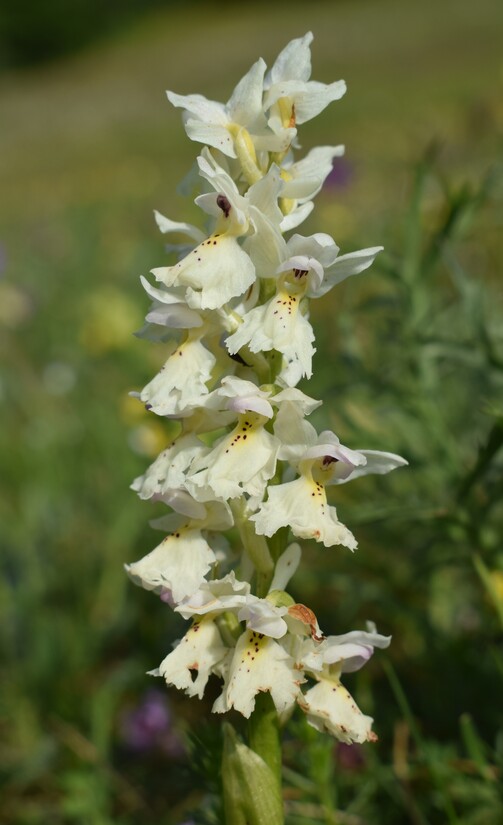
(201, 652)
(214, 272)
(330, 708)
(285, 567)
(179, 564)
(302, 506)
(259, 664)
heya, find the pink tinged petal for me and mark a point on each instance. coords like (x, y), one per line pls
(166, 596)
(263, 617)
(215, 596)
(378, 463)
(349, 650)
(361, 637)
(302, 402)
(259, 664)
(329, 445)
(253, 403)
(199, 654)
(235, 388)
(330, 708)
(179, 563)
(353, 656)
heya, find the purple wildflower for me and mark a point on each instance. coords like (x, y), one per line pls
(149, 725)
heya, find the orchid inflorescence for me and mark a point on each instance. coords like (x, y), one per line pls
(234, 313)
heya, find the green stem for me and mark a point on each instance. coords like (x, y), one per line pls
(264, 734)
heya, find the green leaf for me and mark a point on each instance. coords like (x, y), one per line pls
(252, 795)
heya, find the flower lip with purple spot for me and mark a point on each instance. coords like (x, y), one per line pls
(224, 204)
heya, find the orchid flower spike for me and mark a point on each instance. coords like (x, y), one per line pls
(244, 473)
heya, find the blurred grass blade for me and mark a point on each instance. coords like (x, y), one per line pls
(421, 745)
(475, 747)
(488, 580)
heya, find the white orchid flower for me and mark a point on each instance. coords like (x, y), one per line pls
(219, 269)
(215, 597)
(339, 464)
(168, 471)
(302, 506)
(278, 325)
(234, 314)
(291, 97)
(259, 663)
(183, 380)
(330, 708)
(240, 462)
(347, 652)
(262, 660)
(306, 267)
(328, 705)
(181, 561)
(241, 119)
(321, 460)
(178, 564)
(263, 615)
(201, 651)
(243, 396)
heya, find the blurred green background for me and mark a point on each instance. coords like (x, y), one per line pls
(410, 359)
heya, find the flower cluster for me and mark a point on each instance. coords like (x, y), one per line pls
(233, 314)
